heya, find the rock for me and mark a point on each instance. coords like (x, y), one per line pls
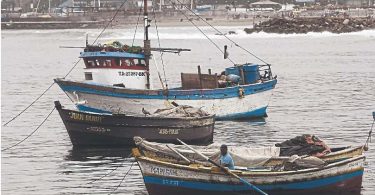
(305, 25)
(346, 22)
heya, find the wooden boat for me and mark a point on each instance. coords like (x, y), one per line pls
(243, 155)
(160, 178)
(117, 80)
(93, 129)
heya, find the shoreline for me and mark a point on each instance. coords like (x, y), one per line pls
(56, 25)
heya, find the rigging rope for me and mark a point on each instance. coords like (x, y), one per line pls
(174, 5)
(217, 30)
(45, 119)
(48, 88)
(161, 53)
(136, 26)
(123, 178)
(110, 21)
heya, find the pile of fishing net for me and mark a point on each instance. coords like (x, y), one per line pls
(303, 145)
(114, 46)
(180, 111)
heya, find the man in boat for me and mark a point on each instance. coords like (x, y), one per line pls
(225, 158)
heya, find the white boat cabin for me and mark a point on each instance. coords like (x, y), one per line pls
(120, 69)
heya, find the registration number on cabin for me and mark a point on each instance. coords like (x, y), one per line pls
(131, 74)
(168, 131)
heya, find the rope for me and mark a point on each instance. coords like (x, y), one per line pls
(110, 21)
(123, 178)
(161, 53)
(174, 5)
(109, 172)
(369, 136)
(157, 69)
(45, 91)
(136, 27)
(217, 30)
(45, 119)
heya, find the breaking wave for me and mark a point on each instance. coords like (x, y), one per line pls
(173, 33)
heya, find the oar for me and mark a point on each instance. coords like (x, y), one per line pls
(224, 169)
(179, 154)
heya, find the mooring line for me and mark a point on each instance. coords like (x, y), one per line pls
(45, 91)
(123, 178)
(24, 110)
(30, 133)
(369, 137)
(95, 180)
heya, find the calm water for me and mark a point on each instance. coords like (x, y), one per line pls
(326, 87)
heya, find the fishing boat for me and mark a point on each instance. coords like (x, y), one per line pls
(96, 129)
(242, 155)
(342, 177)
(117, 80)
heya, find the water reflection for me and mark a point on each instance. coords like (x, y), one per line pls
(87, 154)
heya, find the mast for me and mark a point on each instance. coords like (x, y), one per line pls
(147, 44)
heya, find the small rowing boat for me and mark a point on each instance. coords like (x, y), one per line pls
(242, 155)
(160, 178)
(98, 129)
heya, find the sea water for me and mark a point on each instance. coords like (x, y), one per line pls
(326, 87)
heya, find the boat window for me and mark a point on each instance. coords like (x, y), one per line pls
(141, 62)
(131, 62)
(117, 62)
(88, 76)
(89, 63)
(108, 63)
(127, 62)
(98, 62)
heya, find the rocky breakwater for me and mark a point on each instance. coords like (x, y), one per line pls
(305, 25)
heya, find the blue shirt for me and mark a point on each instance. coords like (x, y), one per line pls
(227, 160)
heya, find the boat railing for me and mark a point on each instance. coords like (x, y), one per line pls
(265, 72)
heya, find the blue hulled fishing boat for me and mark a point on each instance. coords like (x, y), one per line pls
(117, 80)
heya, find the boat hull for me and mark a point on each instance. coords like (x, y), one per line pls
(225, 103)
(352, 187)
(91, 129)
(344, 177)
(164, 154)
